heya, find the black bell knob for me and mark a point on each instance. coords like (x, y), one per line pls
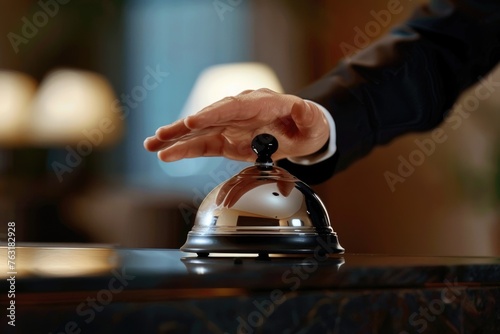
(264, 145)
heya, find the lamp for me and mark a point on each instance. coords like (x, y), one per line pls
(16, 93)
(220, 81)
(72, 106)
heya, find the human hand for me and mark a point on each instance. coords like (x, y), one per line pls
(227, 127)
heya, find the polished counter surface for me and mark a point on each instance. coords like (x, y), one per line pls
(82, 289)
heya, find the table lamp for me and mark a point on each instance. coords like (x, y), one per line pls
(16, 93)
(73, 106)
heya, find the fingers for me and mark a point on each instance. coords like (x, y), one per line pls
(226, 128)
(222, 113)
(311, 123)
(241, 107)
(234, 111)
(210, 144)
(152, 144)
(172, 131)
(165, 134)
(305, 115)
(193, 146)
(155, 144)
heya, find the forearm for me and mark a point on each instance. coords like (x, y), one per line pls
(406, 81)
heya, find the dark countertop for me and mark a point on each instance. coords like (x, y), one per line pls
(65, 268)
(168, 291)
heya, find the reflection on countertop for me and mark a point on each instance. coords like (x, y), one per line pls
(106, 289)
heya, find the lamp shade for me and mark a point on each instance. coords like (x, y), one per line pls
(213, 84)
(72, 106)
(220, 81)
(16, 93)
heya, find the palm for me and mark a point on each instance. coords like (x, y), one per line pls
(227, 128)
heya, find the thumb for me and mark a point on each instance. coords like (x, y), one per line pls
(305, 115)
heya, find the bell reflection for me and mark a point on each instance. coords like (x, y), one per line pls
(267, 200)
(246, 203)
(296, 222)
(274, 265)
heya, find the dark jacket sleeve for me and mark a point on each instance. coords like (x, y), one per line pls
(406, 81)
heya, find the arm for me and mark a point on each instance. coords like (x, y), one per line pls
(406, 81)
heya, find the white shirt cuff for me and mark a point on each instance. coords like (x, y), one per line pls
(332, 144)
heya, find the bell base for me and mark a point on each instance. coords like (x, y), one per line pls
(262, 244)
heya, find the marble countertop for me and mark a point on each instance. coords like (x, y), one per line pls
(101, 289)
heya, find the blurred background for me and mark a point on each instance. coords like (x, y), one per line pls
(82, 83)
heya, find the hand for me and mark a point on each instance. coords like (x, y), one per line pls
(227, 127)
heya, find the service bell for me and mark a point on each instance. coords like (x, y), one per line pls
(263, 209)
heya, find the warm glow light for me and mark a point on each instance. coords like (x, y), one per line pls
(16, 93)
(214, 84)
(219, 81)
(72, 106)
(296, 222)
(60, 261)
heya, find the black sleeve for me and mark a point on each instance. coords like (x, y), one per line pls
(407, 81)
